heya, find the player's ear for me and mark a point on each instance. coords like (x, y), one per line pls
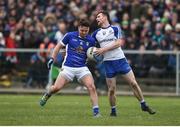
(78, 28)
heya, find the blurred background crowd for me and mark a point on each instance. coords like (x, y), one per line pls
(146, 25)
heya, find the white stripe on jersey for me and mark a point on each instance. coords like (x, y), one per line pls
(108, 36)
(60, 41)
(65, 57)
(119, 33)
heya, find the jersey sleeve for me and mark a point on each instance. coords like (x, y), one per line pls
(117, 32)
(65, 39)
(94, 35)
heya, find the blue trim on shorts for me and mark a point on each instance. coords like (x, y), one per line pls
(114, 67)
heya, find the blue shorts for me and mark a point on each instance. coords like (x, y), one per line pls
(115, 67)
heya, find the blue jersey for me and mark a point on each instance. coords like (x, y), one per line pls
(76, 48)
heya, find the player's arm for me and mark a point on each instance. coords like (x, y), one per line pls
(115, 45)
(56, 50)
(58, 47)
(54, 54)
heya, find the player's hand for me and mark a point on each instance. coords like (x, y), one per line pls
(50, 62)
(99, 51)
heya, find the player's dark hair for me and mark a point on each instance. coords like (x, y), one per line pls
(104, 13)
(84, 22)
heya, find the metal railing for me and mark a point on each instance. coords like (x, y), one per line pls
(176, 53)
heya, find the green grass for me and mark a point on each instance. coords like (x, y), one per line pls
(76, 110)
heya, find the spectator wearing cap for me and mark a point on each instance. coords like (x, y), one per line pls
(168, 35)
(177, 35)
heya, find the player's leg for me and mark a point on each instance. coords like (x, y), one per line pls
(111, 83)
(63, 78)
(86, 78)
(89, 83)
(130, 78)
(58, 85)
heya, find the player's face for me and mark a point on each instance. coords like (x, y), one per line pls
(83, 31)
(100, 19)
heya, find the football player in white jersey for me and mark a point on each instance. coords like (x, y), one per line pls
(110, 40)
(74, 64)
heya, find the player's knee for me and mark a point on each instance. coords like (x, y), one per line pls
(112, 90)
(109, 82)
(91, 87)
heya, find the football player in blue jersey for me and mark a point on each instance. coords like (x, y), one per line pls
(110, 39)
(74, 64)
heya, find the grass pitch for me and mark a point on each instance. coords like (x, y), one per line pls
(76, 110)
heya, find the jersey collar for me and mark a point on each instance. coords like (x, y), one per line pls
(106, 27)
(80, 36)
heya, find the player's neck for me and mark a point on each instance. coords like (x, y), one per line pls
(82, 36)
(105, 25)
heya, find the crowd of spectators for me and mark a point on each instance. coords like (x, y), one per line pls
(146, 24)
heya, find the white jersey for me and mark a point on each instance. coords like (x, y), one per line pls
(107, 36)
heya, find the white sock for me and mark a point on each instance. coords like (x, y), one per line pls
(113, 107)
(96, 106)
(143, 101)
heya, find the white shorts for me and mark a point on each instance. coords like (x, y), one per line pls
(70, 72)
